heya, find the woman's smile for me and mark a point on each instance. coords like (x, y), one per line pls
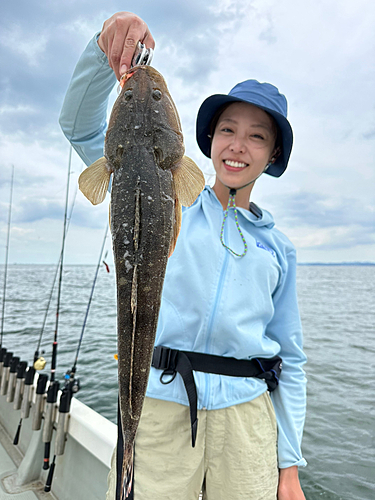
(234, 165)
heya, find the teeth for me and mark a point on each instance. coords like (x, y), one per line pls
(235, 164)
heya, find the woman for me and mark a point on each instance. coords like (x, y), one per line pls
(229, 291)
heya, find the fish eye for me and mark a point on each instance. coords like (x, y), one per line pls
(128, 94)
(156, 94)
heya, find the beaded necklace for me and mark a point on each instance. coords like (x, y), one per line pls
(231, 202)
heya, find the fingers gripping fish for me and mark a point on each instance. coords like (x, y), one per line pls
(151, 180)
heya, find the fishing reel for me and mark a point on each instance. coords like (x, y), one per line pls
(72, 383)
(39, 362)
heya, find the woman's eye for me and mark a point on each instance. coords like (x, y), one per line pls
(226, 129)
(257, 136)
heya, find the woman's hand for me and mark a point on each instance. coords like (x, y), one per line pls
(289, 485)
(119, 38)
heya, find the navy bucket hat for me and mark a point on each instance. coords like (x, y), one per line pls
(263, 95)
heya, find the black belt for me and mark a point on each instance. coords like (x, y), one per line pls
(173, 361)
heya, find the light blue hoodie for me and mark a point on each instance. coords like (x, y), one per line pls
(213, 302)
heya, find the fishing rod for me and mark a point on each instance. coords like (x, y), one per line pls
(12, 377)
(6, 258)
(9, 364)
(72, 385)
(2, 349)
(39, 362)
(22, 398)
(54, 385)
(73, 370)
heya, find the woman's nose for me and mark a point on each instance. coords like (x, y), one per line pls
(237, 145)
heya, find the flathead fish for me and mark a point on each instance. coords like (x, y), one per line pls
(152, 178)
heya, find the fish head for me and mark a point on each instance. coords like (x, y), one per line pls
(146, 114)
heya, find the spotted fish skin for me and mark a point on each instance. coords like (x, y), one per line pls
(143, 146)
(142, 211)
(152, 178)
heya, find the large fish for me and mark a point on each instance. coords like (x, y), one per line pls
(151, 180)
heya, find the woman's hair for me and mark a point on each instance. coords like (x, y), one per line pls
(216, 117)
(275, 127)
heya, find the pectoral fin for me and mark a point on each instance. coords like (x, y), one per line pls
(188, 181)
(94, 181)
(176, 226)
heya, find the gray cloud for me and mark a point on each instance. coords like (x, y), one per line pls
(32, 209)
(321, 211)
(369, 135)
(201, 47)
(40, 50)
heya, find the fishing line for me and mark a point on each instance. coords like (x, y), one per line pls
(6, 258)
(50, 411)
(39, 362)
(36, 354)
(71, 385)
(54, 345)
(73, 370)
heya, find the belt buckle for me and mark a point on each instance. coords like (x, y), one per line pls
(161, 357)
(156, 357)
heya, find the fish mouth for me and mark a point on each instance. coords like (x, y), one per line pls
(125, 77)
(152, 73)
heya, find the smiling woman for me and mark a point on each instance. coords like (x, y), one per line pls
(234, 316)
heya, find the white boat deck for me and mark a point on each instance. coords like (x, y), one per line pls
(10, 459)
(80, 473)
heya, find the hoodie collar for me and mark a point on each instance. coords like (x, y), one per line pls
(265, 218)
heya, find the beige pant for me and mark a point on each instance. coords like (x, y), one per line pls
(234, 458)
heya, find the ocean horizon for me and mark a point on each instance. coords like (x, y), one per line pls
(337, 307)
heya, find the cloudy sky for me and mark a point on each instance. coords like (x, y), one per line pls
(320, 54)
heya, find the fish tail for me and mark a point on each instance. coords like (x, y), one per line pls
(127, 472)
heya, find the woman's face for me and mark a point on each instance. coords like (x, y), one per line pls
(242, 144)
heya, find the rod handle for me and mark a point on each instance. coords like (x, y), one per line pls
(48, 484)
(17, 436)
(47, 447)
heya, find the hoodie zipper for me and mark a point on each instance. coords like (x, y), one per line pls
(212, 318)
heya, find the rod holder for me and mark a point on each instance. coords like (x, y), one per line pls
(5, 375)
(12, 379)
(20, 385)
(62, 429)
(49, 419)
(62, 424)
(2, 356)
(39, 401)
(50, 413)
(28, 392)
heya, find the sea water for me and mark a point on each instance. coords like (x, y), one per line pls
(338, 316)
